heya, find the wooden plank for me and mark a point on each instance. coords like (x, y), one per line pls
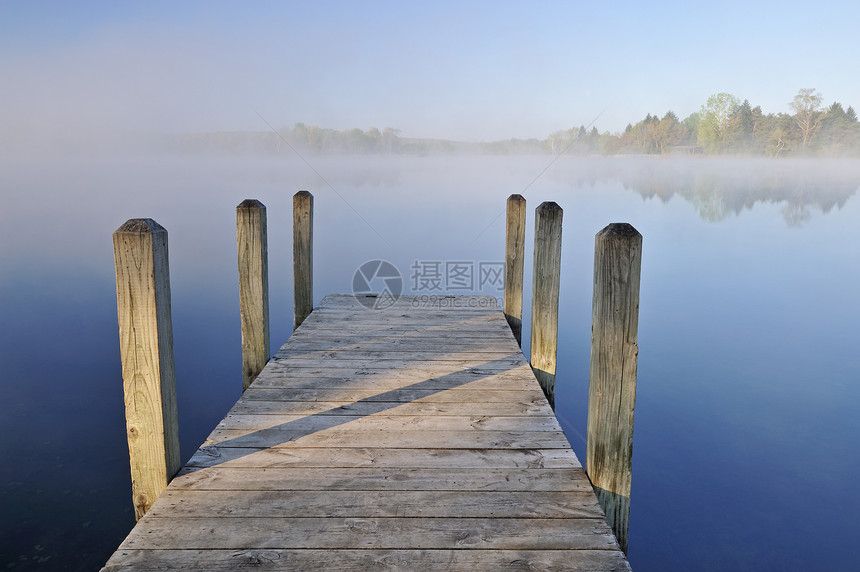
(346, 457)
(341, 437)
(385, 422)
(439, 366)
(349, 560)
(333, 533)
(193, 503)
(436, 376)
(432, 325)
(365, 358)
(381, 478)
(146, 351)
(402, 368)
(438, 302)
(396, 343)
(379, 382)
(507, 408)
(252, 244)
(395, 396)
(392, 327)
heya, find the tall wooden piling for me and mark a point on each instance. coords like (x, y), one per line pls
(253, 287)
(146, 349)
(303, 227)
(515, 238)
(545, 287)
(612, 380)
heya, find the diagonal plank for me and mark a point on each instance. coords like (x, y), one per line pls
(414, 437)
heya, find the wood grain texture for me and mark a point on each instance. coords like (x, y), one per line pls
(303, 256)
(612, 378)
(237, 533)
(515, 243)
(251, 238)
(350, 451)
(146, 350)
(546, 279)
(350, 560)
(388, 457)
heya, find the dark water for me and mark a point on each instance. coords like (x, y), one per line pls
(745, 454)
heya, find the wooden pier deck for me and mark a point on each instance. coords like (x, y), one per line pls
(412, 438)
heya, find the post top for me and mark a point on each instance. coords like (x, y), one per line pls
(517, 197)
(140, 226)
(303, 194)
(549, 206)
(250, 204)
(619, 230)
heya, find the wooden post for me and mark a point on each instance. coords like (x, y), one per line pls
(253, 287)
(146, 349)
(612, 381)
(546, 277)
(515, 238)
(303, 256)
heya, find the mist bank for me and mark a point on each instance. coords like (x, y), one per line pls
(723, 126)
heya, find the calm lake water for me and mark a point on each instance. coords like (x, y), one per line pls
(745, 454)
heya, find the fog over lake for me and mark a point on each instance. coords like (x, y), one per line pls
(746, 417)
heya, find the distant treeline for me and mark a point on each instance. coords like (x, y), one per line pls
(723, 126)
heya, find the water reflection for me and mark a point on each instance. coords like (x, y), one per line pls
(722, 187)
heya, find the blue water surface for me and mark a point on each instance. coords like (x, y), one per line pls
(745, 453)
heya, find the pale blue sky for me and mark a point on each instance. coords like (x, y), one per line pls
(467, 70)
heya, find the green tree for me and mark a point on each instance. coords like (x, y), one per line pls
(739, 134)
(714, 118)
(669, 132)
(807, 113)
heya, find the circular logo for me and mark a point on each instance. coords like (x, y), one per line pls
(377, 284)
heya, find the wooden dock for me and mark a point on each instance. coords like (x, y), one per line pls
(414, 437)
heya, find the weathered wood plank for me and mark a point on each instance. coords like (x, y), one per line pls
(331, 533)
(384, 384)
(438, 329)
(342, 437)
(473, 303)
(500, 371)
(384, 422)
(397, 343)
(398, 367)
(365, 358)
(381, 379)
(440, 365)
(395, 396)
(346, 457)
(382, 478)
(194, 503)
(507, 408)
(369, 559)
